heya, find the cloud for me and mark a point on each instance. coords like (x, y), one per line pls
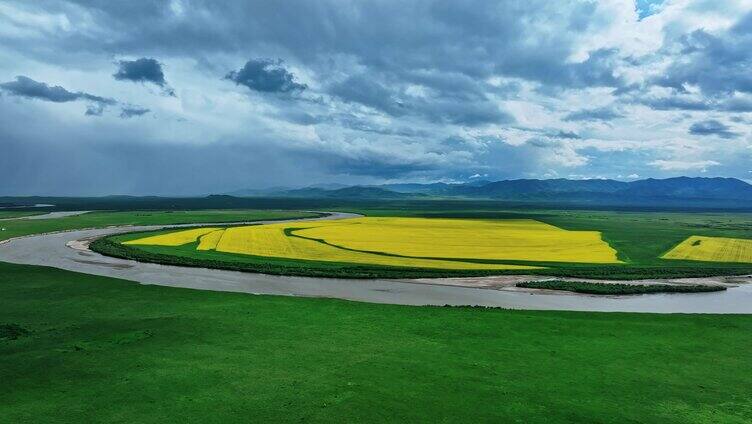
(131, 111)
(675, 103)
(717, 63)
(712, 127)
(566, 134)
(682, 165)
(368, 92)
(29, 88)
(443, 103)
(606, 113)
(94, 109)
(602, 89)
(647, 8)
(144, 70)
(737, 104)
(267, 76)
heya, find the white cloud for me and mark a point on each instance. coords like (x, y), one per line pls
(680, 165)
(492, 81)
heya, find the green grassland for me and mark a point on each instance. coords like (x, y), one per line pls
(23, 227)
(79, 348)
(640, 238)
(5, 214)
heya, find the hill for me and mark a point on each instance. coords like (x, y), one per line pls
(700, 191)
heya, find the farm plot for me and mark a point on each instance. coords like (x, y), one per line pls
(509, 239)
(271, 241)
(712, 249)
(403, 242)
(177, 238)
(209, 241)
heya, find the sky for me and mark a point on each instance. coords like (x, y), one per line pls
(187, 97)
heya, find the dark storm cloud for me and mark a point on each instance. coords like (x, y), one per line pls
(606, 113)
(144, 70)
(266, 75)
(131, 111)
(717, 63)
(27, 87)
(353, 122)
(446, 104)
(477, 38)
(84, 159)
(95, 109)
(712, 127)
(386, 82)
(368, 92)
(379, 166)
(566, 134)
(736, 104)
(543, 142)
(679, 102)
(467, 113)
(675, 103)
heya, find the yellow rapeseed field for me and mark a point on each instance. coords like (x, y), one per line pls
(177, 238)
(712, 249)
(510, 239)
(209, 241)
(271, 241)
(415, 242)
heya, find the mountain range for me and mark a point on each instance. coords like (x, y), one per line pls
(699, 190)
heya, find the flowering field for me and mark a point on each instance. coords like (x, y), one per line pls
(712, 249)
(177, 238)
(508, 239)
(406, 242)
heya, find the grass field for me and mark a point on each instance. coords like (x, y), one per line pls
(712, 249)
(78, 348)
(17, 214)
(106, 350)
(22, 227)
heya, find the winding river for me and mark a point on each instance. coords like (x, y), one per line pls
(69, 250)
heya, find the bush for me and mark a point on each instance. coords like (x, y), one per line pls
(615, 289)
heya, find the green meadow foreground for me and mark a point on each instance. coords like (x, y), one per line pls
(98, 219)
(80, 348)
(100, 349)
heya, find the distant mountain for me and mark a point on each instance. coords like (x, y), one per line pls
(670, 191)
(330, 186)
(352, 192)
(691, 188)
(534, 189)
(257, 192)
(433, 188)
